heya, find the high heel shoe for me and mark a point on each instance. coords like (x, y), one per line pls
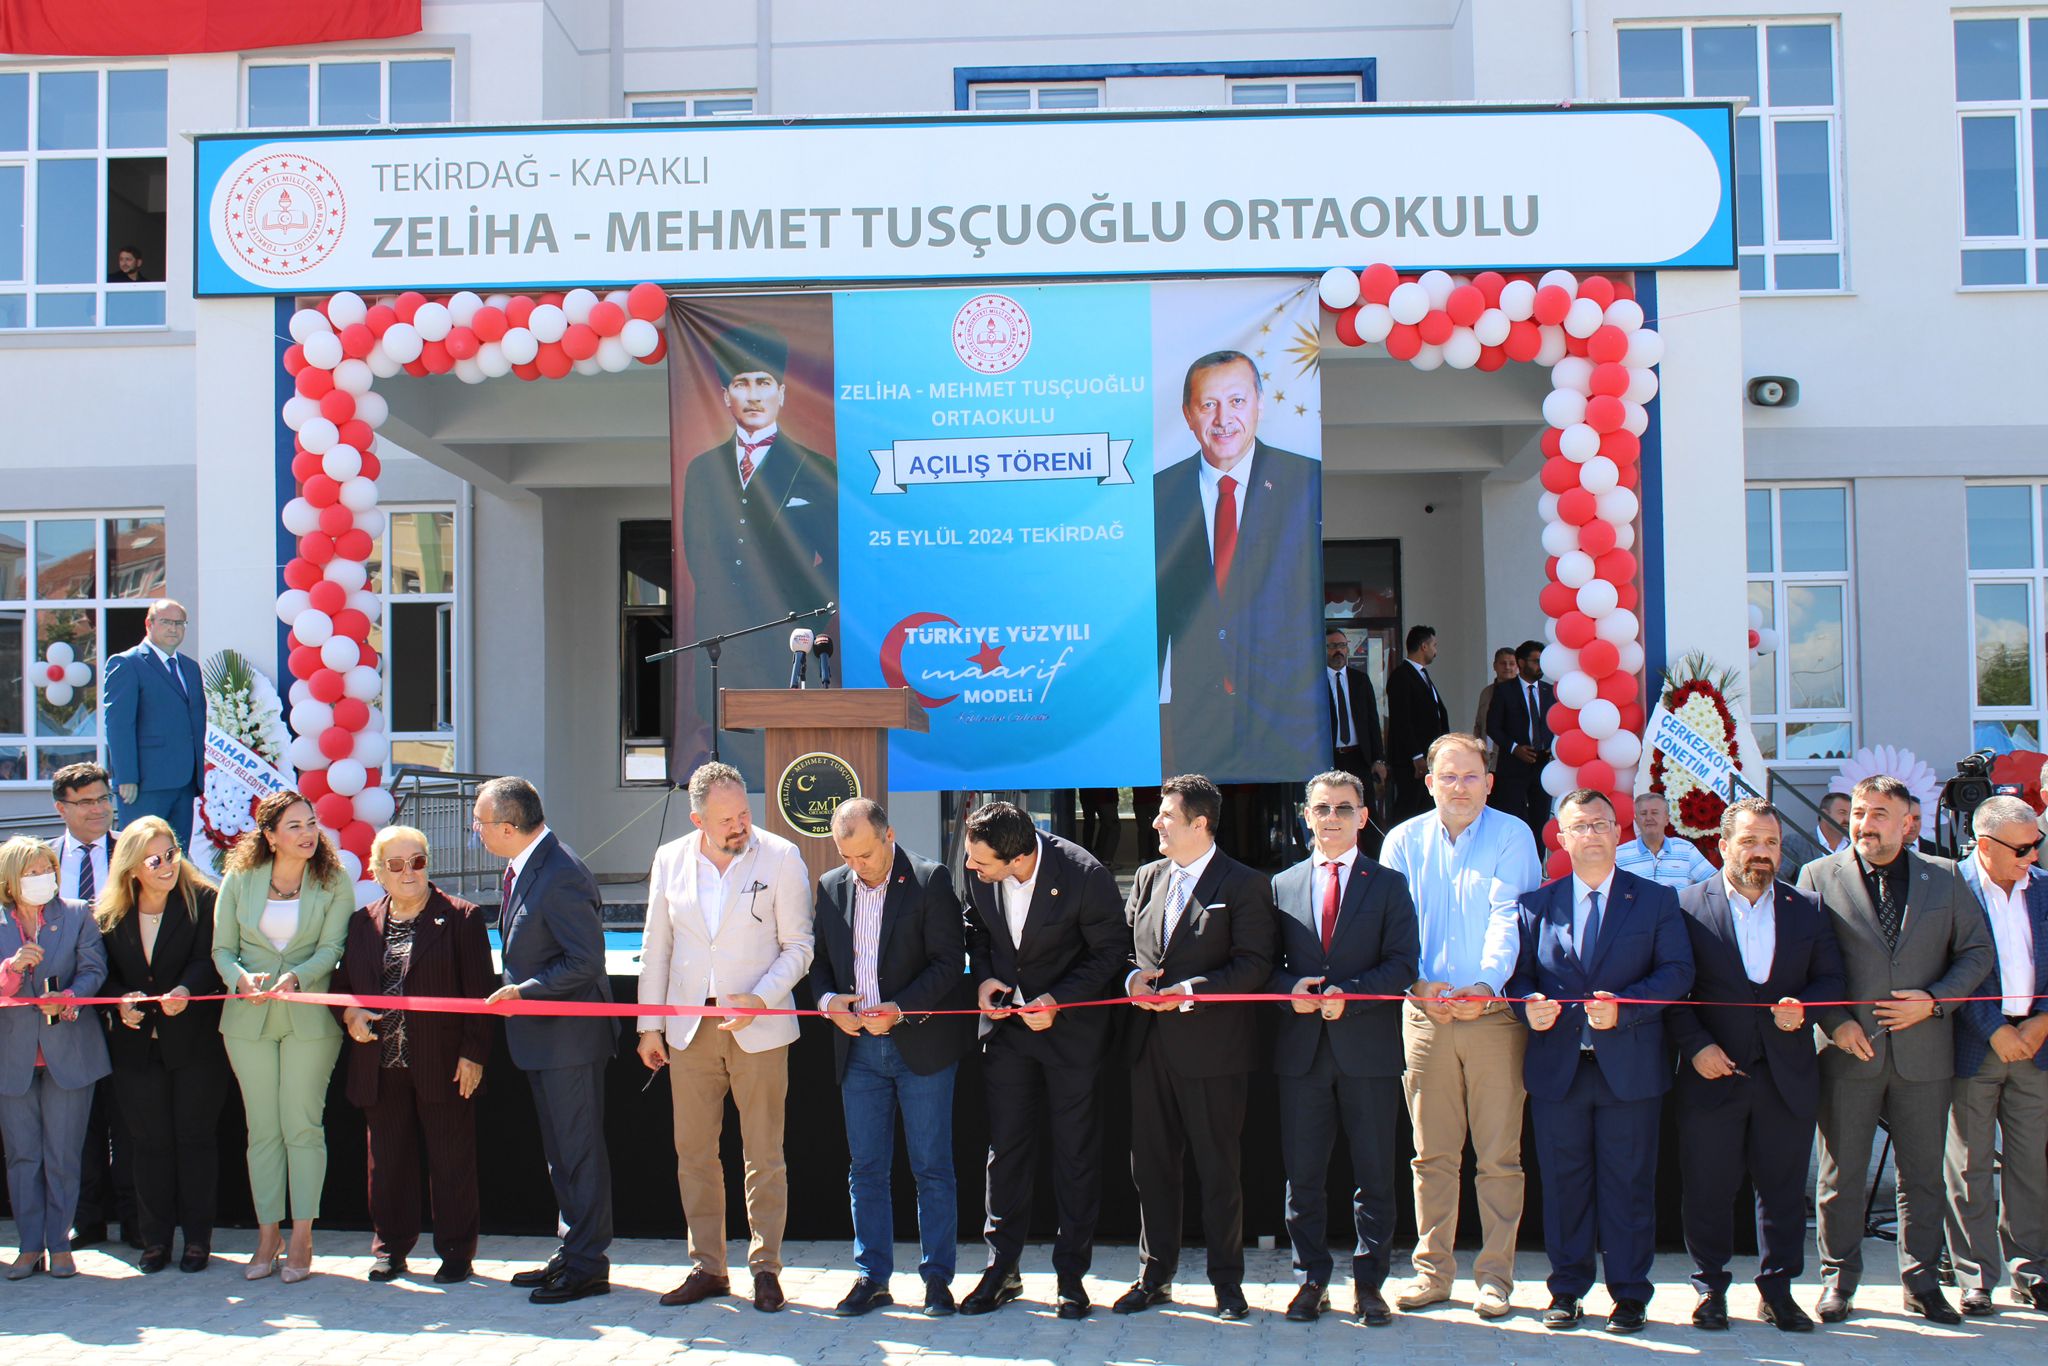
(292, 1275)
(263, 1267)
(24, 1268)
(62, 1270)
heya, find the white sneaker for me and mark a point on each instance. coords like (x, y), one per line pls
(1418, 1293)
(1492, 1303)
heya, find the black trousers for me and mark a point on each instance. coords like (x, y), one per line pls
(1025, 1096)
(1310, 1108)
(1752, 1133)
(1172, 1115)
(106, 1175)
(172, 1117)
(570, 1103)
(400, 1124)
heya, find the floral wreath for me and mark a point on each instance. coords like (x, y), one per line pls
(1697, 692)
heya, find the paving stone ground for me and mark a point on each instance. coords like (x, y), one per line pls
(112, 1314)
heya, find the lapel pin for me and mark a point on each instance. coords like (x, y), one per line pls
(1269, 485)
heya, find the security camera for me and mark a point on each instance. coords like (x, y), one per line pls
(1773, 391)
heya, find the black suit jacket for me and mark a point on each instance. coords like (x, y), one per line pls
(1075, 946)
(1507, 720)
(1806, 965)
(451, 956)
(1365, 717)
(759, 552)
(1222, 946)
(921, 963)
(553, 934)
(183, 958)
(1415, 716)
(1376, 950)
(1247, 663)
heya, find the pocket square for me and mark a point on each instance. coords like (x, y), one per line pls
(798, 503)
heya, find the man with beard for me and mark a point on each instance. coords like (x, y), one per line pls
(1748, 1080)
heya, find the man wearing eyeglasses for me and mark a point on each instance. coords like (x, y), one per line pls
(2001, 1085)
(156, 723)
(1599, 951)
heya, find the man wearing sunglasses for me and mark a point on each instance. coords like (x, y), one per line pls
(2001, 1085)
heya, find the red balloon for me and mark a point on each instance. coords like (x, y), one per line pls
(1624, 289)
(338, 406)
(1550, 572)
(1376, 283)
(553, 296)
(489, 324)
(1465, 305)
(1576, 506)
(1599, 658)
(660, 351)
(305, 465)
(416, 368)
(647, 301)
(606, 318)
(303, 661)
(1626, 598)
(294, 359)
(1597, 774)
(358, 433)
(372, 466)
(1598, 288)
(321, 491)
(1596, 537)
(301, 573)
(1552, 444)
(335, 519)
(1559, 864)
(313, 786)
(1607, 345)
(336, 743)
(373, 777)
(1491, 358)
(357, 837)
(316, 546)
(1605, 413)
(1622, 447)
(1436, 327)
(519, 309)
(369, 658)
(1576, 748)
(553, 361)
(1574, 629)
(1616, 566)
(354, 544)
(351, 713)
(407, 304)
(313, 382)
(1560, 719)
(329, 596)
(1574, 346)
(435, 356)
(1525, 339)
(1552, 303)
(1618, 688)
(1756, 638)
(1404, 342)
(1631, 716)
(1489, 283)
(1346, 326)
(1556, 600)
(1550, 833)
(1558, 474)
(579, 342)
(1609, 378)
(353, 624)
(527, 370)
(334, 809)
(357, 340)
(379, 318)
(461, 343)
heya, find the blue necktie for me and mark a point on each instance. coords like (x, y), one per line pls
(1176, 902)
(1587, 941)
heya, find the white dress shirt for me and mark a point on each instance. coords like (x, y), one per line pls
(2013, 935)
(1017, 896)
(518, 860)
(1756, 930)
(712, 885)
(69, 855)
(1211, 481)
(1189, 874)
(1345, 862)
(766, 436)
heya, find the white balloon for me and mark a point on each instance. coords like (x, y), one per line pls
(1517, 300)
(1598, 475)
(1557, 779)
(60, 652)
(322, 350)
(380, 363)
(1575, 570)
(1338, 288)
(304, 754)
(318, 435)
(521, 346)
(1563, 279)
(1573, 372)
(1430, 357)
(308, 322)
(491, 359)
(355, 376)
(340, 653)
(1635, 418)
(1616, 627)
(347, 308)
(370, 523)
(77, 674)
(369, 604)
(373, 409)
(358, 494)
(1621, 750)
(1546, 506)
(1645, 348)
(432, 321)
(350, 574)
(1559, 660)
(1576, 689)
(1597, 597)
(612, 356)
(300, 691)
(402, 342)
(497, 301)
(312, 717)
(346, 777)
(372, 749)
(576, 305)
(1550, 630)
(1625, 536)
(292, 601)
(617, 296)
(1642, 386)
(298, 410)
(1584, 319)
(462, 307)
(1599, 718)
(313, 627)
(362, 683)
(1625, 314)
(1618, 506)
(640, 336)
(1409, 303)
(1550, 349)
(342, 462)
(299, 517)
(1578, 442)
(588, 367)
(1491, 327)
(1560, 538)
(1461, 352)
(547, 323)
(1437, 285)
(374, 805)
(468, 371)
(1631, 657)
(1374, 322)
(1563, 407)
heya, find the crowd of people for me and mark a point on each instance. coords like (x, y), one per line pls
(1444, 976)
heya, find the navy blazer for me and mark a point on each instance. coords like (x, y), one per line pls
(1806, 965)
(1375, 950)
(553, 933)
(1222, 945)
(156, 735)
(1507, 719)
(1976, 1021)
(74, 1051)
(1643, 952)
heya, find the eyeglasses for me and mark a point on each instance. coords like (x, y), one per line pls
(178, 622)
(414, 864)
(1322, 811)
(89, 803)
(155, 861)
(2030, 849)
(1589, 828)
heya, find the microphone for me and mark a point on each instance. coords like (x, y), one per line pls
(799, 649)
(821, 646)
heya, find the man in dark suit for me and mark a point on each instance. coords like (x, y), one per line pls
(551, 923)
(1911, 935)
(1201, 924)
(1237, 531)
(156, 724)
(1596, 1069)
(1347, 928)
(890, 947)
(1043, 931)
(1998, 1112)
(760, 527)
(1415, 717)
(1748, 1080)
(1358, 745)
(1516, 723)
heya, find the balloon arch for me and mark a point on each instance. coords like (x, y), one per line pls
(1588, 331)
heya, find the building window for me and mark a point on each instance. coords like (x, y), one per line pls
(1044, 95)
(646, 625)
(1788, 206)
(1312, 90)
(83, 197)
(2008, 584)
(412, 574)
(2002, 104)
(85, 579)
(691, 106)
(348, 91)
(1803, 695)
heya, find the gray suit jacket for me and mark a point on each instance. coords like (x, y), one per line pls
(1944, 949)
(74, 1051)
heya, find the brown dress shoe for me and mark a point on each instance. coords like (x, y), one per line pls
(768, 1296)
(698, 1285)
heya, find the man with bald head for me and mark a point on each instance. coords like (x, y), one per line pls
(156, 723)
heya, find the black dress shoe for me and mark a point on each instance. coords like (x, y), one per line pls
(1833, 1306)
(2032, 1297)
(1977, 1304)
(1073, 1298)
(1711, 1313)
(565, 1286)
(1230, 1303)
(1932, 1306)
(865, 1295)
(387, 1268)
(154, 1259)
(938, 1300)
(1141, 1296)
(197, 1255)
(1629, 1317)
(88, 1235)
(997, 1287)
(1784, 1314)
(1309, 1303)
(698, 1285)
(1372, 1308)
(1564, 1312)
(538, 1276)
(451, 1273)
(768, 1296)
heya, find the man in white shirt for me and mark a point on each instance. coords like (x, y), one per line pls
(1833, 832)
(1676, 863)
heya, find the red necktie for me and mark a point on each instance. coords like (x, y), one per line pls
(747, 449)
(1330, 904)
(505, 901)
(1225, 546)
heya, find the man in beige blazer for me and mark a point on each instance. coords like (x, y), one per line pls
(728, 924)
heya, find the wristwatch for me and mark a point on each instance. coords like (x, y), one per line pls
(1937, 1012)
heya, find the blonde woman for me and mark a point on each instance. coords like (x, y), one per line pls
(49, 1056)
(278, 925)
(170, 1071)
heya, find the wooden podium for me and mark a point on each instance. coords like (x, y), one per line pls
(824, 745)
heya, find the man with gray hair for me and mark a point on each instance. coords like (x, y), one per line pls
(156, 723)
(2001, 1083)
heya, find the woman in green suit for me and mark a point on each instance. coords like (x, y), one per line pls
(279, 925)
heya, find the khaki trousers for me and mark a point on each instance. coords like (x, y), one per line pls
(1464, 1078)
(699, 1078)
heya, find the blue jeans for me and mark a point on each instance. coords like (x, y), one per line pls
(878, 1085)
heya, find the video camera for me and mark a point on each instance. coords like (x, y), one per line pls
(1969, 789)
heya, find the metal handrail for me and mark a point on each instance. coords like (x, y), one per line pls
(438, 804)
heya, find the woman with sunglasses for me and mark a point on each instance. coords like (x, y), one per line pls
(415, 1075)
(155, 913)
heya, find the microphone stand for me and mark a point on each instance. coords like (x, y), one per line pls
(712, 646)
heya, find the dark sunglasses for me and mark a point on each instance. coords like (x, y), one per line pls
(2019, 850)
(156, 861)
(400, 865)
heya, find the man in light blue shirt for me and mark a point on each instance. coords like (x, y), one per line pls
(1676, 863)
(1466, 864)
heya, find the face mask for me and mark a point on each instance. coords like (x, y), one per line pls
(38, 889)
